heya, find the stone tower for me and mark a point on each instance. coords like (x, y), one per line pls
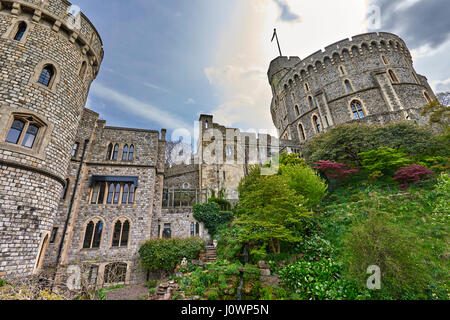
(50, 54)
(367, 78)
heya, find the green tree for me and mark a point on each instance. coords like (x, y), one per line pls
(270, 212)
(385, 160)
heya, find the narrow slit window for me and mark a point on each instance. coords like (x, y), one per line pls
(20, 31)
(125, 153)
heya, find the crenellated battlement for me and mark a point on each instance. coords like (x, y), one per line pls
(55, 13)
(287, 68)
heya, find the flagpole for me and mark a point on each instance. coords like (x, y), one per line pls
(278, 42)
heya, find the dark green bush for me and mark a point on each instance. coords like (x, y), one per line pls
(166, 254)
(223, 204)
(211, 216)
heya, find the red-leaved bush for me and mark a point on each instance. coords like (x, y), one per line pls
(412, 174)
(334, 169)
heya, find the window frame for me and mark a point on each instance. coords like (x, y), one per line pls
(122, 222)
(96, 222)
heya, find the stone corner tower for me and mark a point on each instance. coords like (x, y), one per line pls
(50, 54)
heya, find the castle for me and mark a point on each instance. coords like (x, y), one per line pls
(75, 191)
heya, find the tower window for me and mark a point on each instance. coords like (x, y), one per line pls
(357, 110)
(46, 75)
(317, 124)
(311, 101)
(64, 192)
(393, 76)
(20, 31)
(125, 153)
(301, 131)
(348, 86)
(297, 111)
(131, 153)
(427, 96)
(116, 152)
(109, 152)
(385, 60)
(75, 149)
(53, 236)
(24, 131)
(83, 69)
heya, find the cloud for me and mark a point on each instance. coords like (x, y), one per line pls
(419, 22)
(138, 108)
(441, 85)
(190, 101)
(286, 12)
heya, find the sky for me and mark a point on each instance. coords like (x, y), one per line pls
(167, 62)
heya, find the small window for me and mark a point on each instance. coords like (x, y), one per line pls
(125, 194)
(131, 197)
(75, 149)
(186, 186)
(110, 193)
(192, 229)
(64, 192)
(342, 70)
(301, 131)
(115, 273)
(95, 193)
(117, 194)
(109, 152)
(224, 174)
(131, 153)
(125, 153)
(167, 232)
(393, 76)
(297, 111)
(15, 132)
(229, 151)
(306, 87)
(348, 86)
(311, 101)
(46, 75)
(121, 234)
(53, 236)
(385, 60)
(317, 124)
(24, 131)
(20, 31)
(427, 96)
(83, 69)
(357, 110)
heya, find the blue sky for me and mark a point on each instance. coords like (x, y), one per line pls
(166, 62)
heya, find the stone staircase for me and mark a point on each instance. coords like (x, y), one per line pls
(211, 254)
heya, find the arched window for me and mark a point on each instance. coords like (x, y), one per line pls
(385, 60)
(116, 152)
(110, 193)
(109, 152)
(20, 31)
(131, 153)
(24, 131)
(306, 87)
(186, 186)
(311, 101)
(83, 69)
(357, 110)
(393, 76)
(348, 86)
(47, 75)
(66, 187)
(93, 235)
(297, 111)
(317, 124)
(121, 233)
(131, 197)
(301, 131)
(427, 96)
(125, 153)
(125, 194)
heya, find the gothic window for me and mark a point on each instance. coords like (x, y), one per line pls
(311, 101)
(24, 131)
(348, 86)
(125, 153)
(131, 153)
(53, 236)
(110, 193)
(47, 75)
(115, 273)
(297, 111)
(109, 152)
(131, 197)
(117, 194)
(95, 193)
(75, 149)
(121, 233)
(83, 69)
(357, 110)
(126, 189)
(317, 125)
(301, 131)
(393, 76)
(20, 31)
(64, 192)
(93, 234)
(116, 152)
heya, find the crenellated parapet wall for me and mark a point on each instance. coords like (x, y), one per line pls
(56, 15)
(351, 79)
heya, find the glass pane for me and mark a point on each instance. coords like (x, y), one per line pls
(101, 197)
(75, 149)
(117, 194)
(20, 31)
(15, 131)
(88, 235)
(116, 234)
(30, 137)
(46, 76)
(110, 194)
(116, 152)
(125, 234)
(125, 194)
(125, 153)
(95, 194)
(131, 198)
(97, 235)
(131, 154)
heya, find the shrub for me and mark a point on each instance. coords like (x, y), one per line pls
(223, 204)
(441, 204)
(412, 174)
(334, 170)
(211, 216)
(306, 182)
(375, 241)
(320, 280)
(166, 254)
(385, 160)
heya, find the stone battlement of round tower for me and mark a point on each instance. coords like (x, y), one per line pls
(369, 77)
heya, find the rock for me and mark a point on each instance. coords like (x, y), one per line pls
(265, 272)
(196, 298)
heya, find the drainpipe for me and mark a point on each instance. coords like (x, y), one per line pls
(72, 200)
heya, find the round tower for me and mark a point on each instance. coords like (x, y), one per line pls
(50, 55)
(369, 78)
